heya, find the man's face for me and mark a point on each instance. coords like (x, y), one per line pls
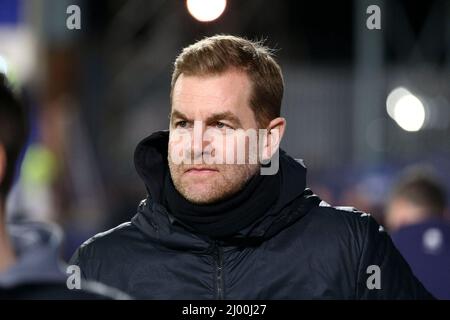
(214, 107)
(400, 212)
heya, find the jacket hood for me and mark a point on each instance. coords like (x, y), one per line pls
(150, 160)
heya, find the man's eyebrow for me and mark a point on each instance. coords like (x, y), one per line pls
(227, 115)
(178, 114)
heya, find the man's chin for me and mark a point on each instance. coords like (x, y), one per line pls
(201, 200)
(200, 195)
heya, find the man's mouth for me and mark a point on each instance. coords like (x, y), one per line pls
(201, 170)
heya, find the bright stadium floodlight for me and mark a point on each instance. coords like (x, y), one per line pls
(206, 10)
(406, 109)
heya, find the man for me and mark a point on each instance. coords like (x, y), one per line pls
(30, 267)
(236, 229)
(415, 214)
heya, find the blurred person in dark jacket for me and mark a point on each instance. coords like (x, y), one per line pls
(415, 216)
(238, 230)
(30, 267)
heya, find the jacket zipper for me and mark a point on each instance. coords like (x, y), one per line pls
(218, 258)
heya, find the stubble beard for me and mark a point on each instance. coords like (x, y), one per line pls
(227, 181)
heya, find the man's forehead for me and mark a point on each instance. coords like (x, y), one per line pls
(230, 87)
(182, 98)
(207, 105)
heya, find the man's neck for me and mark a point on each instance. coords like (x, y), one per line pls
(7, 256)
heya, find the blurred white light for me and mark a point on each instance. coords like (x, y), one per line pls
(206, 10)
(18, 48)
(3, 66)
(393, 98)
(409, 113)
(406, 109)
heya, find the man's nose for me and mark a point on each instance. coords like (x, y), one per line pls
(198, 143)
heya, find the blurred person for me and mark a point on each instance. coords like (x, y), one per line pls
(415, 216)
(215, 230)
(30, 267)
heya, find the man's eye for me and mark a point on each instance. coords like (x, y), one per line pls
(221, 125)
(181, 124)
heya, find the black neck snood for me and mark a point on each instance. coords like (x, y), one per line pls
(226, 217)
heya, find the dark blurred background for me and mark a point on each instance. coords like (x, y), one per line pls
(94, 93)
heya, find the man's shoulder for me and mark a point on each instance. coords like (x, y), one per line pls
(115, 239)
(326, 211)
(345, 219)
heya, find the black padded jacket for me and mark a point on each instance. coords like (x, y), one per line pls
(301, 249)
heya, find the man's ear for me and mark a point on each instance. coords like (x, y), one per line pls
(275, 131)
